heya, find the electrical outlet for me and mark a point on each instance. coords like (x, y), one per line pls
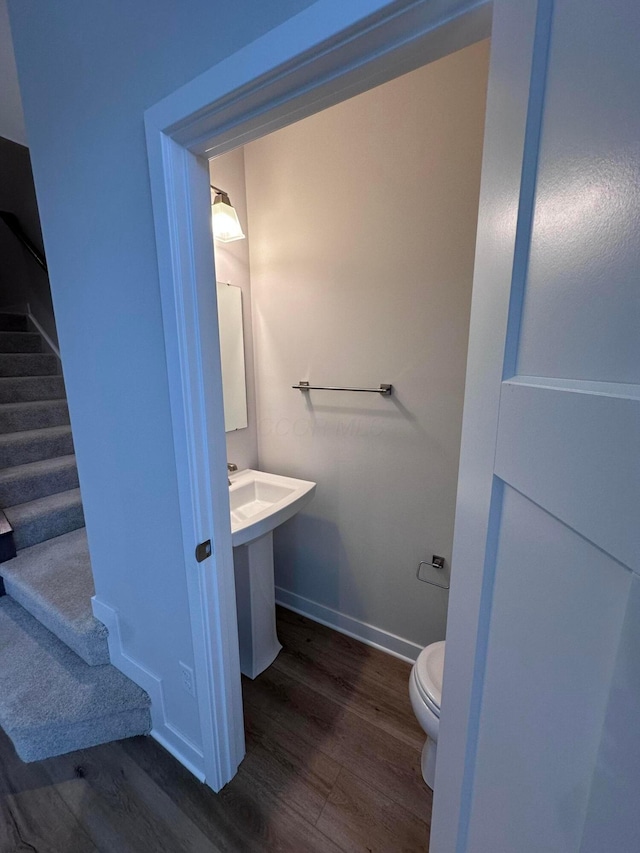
(187, 679)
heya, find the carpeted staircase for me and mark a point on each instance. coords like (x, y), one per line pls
(58, 691)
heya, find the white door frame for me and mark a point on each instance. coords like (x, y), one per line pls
(331, 51)
(517, 78)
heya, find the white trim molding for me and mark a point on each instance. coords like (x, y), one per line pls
(181, 203)
(178, 744)
(368, 634)
(514, 83)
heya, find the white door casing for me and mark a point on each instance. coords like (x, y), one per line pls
(195, 379)
(546, 554)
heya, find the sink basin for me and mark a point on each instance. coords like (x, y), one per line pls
(260, 502)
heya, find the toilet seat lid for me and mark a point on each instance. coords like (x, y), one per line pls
(429, 668)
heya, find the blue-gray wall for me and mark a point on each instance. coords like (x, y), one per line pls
(87, 72)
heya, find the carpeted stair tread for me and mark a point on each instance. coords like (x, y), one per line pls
(20, 342)
(25, 389)
(37, 414)
(54, 583)
(28, 364)
(23, 483)
(52, 702)
(45, 518)
(13, 322)
(18, 448)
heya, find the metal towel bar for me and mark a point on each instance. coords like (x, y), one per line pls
(385, 390)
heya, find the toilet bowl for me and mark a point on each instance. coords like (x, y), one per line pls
(425, 691)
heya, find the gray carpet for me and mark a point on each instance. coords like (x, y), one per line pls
(58, 692)
(20, 342)
(45, 518)
(28, 364)
(24, 389)
(23, 483)
(18, 448)
(51, 702)
(37, 414)
(53, 581)
(14, 322)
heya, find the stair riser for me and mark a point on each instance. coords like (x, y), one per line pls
(20, 342)
(16, 420)
(13, 323)
(35, 747)
(47, 526)
(28, 364)
(26, 389)
(53, 703)
(33, 449)
(54, 583)
(30, 488)
(94, 652)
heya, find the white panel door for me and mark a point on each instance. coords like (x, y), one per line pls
(552, 680)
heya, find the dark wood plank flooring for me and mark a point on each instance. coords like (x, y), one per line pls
(332, 765)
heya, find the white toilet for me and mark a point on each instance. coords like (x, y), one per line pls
(425, 690)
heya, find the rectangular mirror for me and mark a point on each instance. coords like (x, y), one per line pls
(232, 355)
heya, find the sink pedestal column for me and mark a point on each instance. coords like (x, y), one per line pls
(256, 605)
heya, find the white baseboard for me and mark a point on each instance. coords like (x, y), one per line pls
(368, 634)
(178, 744)
(48, 341)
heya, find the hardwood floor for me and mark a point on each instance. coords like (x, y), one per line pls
(332, 766)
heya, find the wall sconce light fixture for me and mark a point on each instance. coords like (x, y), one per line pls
(224, 219)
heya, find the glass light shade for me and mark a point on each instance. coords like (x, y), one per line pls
(225, 222)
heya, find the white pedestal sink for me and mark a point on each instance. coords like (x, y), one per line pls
(259, 502)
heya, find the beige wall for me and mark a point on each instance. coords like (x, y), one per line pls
(362, 222)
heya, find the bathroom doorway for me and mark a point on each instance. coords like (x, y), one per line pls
(356, 270)
(368, 52)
